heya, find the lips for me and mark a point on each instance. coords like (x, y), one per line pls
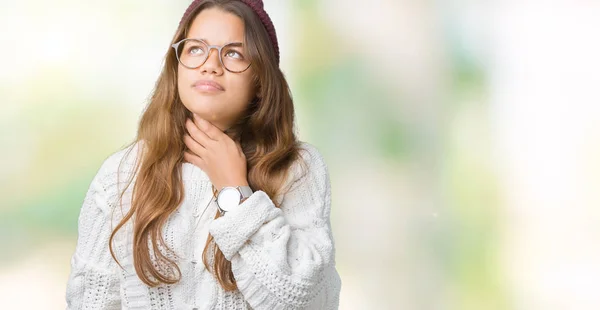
(207, 85)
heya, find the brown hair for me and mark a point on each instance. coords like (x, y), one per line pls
(265, 131)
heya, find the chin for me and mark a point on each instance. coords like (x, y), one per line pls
(203, 108)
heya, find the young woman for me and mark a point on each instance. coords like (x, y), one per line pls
(216, 204)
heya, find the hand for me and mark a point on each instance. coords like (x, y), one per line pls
(215, 153)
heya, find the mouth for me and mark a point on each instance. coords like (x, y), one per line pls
(208, 86)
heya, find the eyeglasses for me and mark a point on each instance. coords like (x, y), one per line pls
(192, 53)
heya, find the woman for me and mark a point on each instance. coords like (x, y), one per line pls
(216, 204)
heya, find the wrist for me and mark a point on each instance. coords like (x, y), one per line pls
(232, 184)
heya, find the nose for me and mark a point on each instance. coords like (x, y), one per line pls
(212, 65)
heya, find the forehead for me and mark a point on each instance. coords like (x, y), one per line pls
(216, 26)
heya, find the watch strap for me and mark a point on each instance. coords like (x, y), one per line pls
(246, 191)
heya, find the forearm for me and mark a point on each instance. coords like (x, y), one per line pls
(272, 258)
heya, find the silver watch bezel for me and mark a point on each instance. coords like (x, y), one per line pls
(244, 192)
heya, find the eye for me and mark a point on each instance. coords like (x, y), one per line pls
(234, 54)
(194, 50)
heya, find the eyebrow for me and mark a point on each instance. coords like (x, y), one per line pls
(229, 43)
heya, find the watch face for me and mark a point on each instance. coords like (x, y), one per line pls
(228, 198)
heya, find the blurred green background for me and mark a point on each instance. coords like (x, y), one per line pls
(462, 139)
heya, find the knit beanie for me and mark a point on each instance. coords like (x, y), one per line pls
(257, 7)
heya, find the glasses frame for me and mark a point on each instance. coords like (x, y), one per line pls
(210, 48)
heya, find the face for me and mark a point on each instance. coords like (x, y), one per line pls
(210, 91)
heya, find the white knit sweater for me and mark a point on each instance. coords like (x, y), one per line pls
(281, 258)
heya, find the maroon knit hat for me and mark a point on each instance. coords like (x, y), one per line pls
(257, 7)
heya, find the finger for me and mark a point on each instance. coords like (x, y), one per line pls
(208, 128)
(241, 150)
(197, 134)
(194, 146)
(193, 159)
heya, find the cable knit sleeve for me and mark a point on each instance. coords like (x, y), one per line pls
(94, 282)
(284, 258)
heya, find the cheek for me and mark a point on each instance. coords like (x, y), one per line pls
(183, 85)
(244, 89)
(181, 78)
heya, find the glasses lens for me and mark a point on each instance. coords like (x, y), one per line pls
(192, 53)
(234, 58)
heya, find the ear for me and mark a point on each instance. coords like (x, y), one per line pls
(257, 95)
(257, 88)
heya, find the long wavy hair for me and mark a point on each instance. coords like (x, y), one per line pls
(265, 132)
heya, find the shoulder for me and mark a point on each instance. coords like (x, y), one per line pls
(119, 165)
(310, 153)
(311, 159)
(106, 184)
(308, 186)
(310, 167)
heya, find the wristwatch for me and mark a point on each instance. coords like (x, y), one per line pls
(230, 197)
